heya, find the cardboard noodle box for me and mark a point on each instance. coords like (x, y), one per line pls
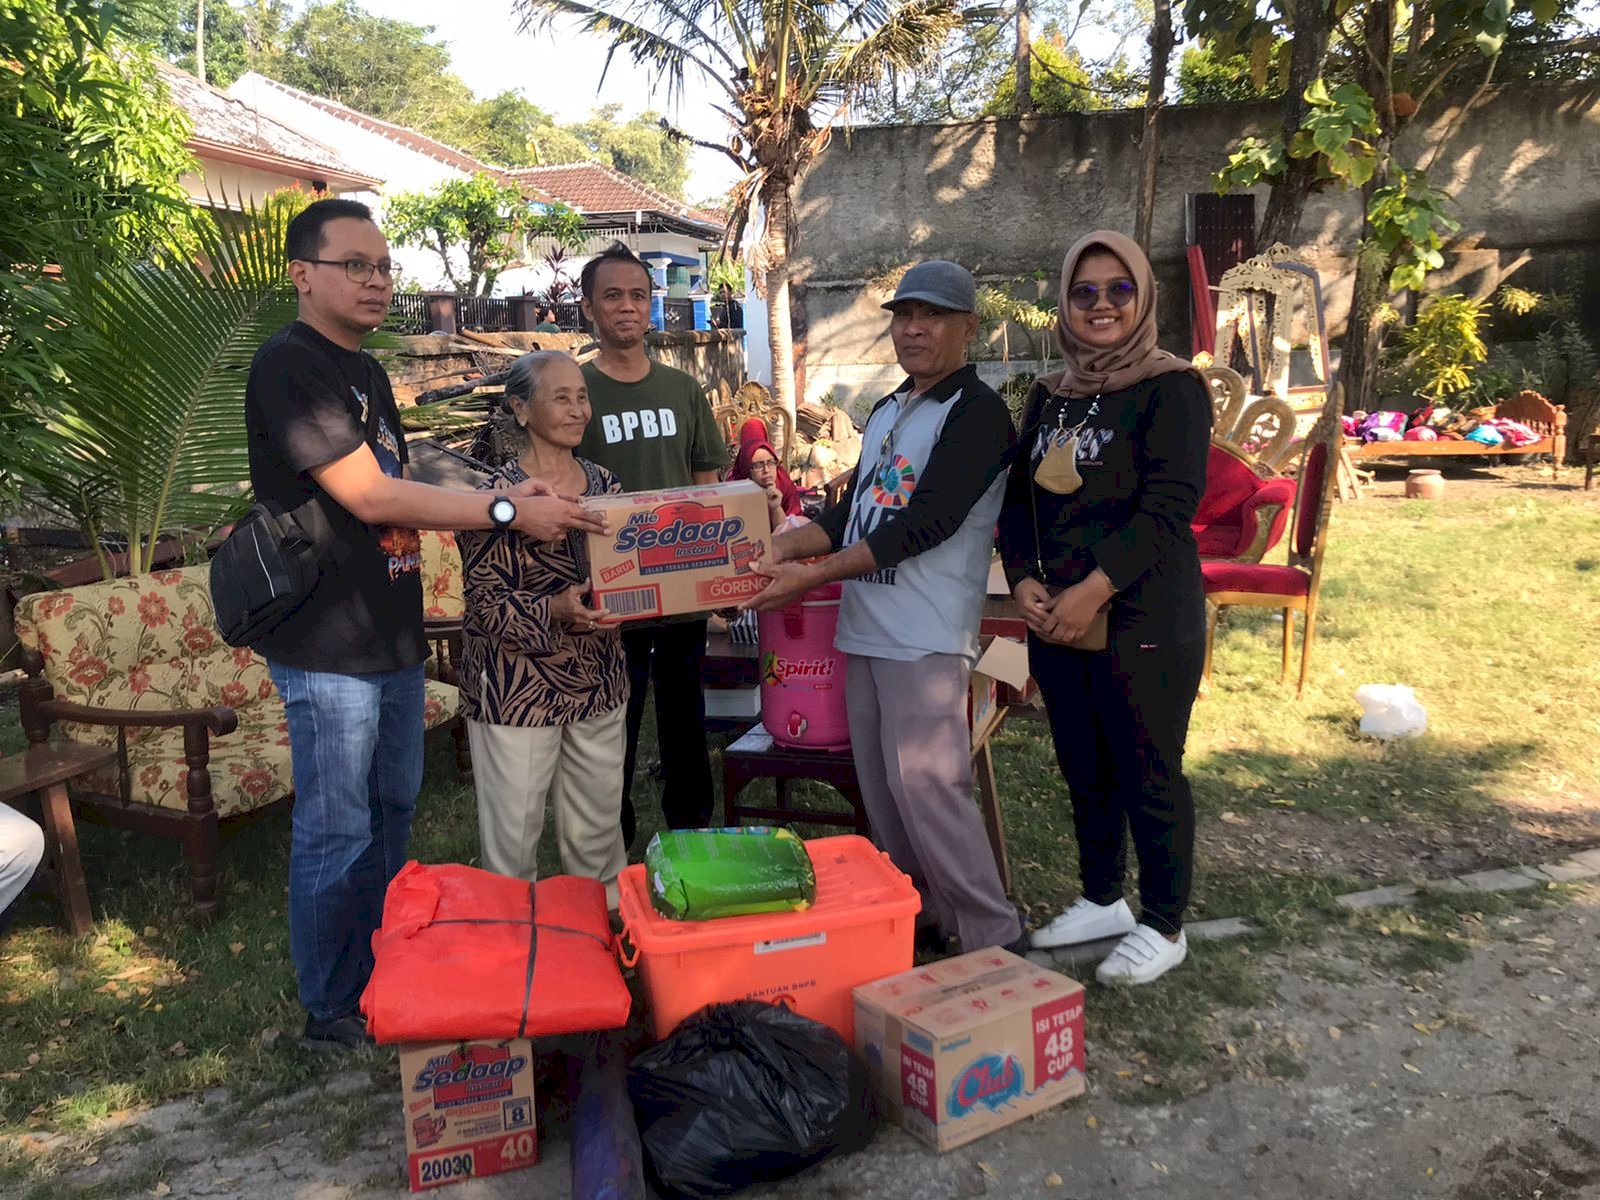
(679, 550)
(960, 1048)
(468, 1109)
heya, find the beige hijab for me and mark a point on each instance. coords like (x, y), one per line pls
(1090, 370)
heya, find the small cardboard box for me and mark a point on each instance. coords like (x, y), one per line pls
(680, 550)
(1003, 665)
(468, 1109)
(963, 1047)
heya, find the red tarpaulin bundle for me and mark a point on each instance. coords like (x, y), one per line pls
(467, 953)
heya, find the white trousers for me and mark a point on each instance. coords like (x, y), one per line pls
(579, 766)
(21, 848)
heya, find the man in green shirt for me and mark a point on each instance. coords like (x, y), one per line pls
(652, 427)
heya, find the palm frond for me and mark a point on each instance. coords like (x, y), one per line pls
(681, 42)
(907, 36)
(146, 432)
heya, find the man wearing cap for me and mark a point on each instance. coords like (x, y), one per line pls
(913, 539)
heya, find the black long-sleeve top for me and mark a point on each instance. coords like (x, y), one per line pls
(1142, 455)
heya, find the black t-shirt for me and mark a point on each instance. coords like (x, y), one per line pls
(1142, 456)
(310, 402)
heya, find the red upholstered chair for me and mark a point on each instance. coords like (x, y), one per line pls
(1291, 588)
(1245, 507)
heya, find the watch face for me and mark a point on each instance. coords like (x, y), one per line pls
(502, 512)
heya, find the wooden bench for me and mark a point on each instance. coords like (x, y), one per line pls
(1548, 420)
(43, 771)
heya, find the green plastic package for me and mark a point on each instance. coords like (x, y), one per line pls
(702, 874)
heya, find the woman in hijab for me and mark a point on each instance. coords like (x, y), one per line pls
(1103, 566)
(758, 462)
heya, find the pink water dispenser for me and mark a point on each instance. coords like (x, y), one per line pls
(802, 675)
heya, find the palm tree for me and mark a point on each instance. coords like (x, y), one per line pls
(136, 431)
(789, 70)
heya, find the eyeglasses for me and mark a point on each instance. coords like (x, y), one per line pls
(359, 270)
(1120, 292)
(764, 464)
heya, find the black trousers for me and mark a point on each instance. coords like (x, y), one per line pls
(672, 657)
(1119, 720)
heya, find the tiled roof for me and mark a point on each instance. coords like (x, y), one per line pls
(400, 134)
(220, 120)
(596, 188)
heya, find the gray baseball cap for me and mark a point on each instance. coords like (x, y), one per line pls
(946, 284)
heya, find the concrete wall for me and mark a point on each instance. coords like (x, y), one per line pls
(1007, 197)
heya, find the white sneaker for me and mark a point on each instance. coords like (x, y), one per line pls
(1142, 957)
(1085, 921)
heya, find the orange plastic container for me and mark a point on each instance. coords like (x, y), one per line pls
(859, 930)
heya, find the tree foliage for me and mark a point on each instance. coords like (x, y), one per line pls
(1206, 76)
(143, 433)
(637, 147)
(476, 226)
(1059, 83)
(376, 65)
(398, 71)
(974, 72)
(246, 37)
(785, 74)
(93, 150)
(1445, 345)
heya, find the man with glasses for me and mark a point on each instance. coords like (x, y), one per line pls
(913, 540)
(323, 427)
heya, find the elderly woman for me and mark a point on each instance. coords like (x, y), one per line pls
(1103, 566)
(543, 682)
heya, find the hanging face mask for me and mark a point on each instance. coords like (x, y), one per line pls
(1058, 469)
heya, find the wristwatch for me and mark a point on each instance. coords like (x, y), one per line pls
(502, 512)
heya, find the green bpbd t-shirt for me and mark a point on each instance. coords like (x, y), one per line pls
(654, 433)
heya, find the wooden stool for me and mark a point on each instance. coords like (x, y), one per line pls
(755, 756)
(43, 770)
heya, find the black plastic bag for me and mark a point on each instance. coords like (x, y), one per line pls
(746, 1093)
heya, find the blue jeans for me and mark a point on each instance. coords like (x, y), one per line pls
(356, 746)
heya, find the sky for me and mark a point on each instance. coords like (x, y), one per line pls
(560, 71)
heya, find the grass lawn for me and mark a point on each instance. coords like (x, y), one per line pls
(1484, 603)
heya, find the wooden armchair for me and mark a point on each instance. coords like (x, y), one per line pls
(1295, 587)
(1245, 508)
(199, 730)
(1261, 429)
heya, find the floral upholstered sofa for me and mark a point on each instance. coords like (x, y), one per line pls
(201, 734)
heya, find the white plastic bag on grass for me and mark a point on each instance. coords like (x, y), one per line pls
(1391, 710)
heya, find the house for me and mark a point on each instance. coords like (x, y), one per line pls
(674, 238)
(403, 159)
(245, 156)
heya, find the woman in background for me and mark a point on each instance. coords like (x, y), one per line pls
(758, 462)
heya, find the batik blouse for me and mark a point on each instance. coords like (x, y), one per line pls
(518, 665)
